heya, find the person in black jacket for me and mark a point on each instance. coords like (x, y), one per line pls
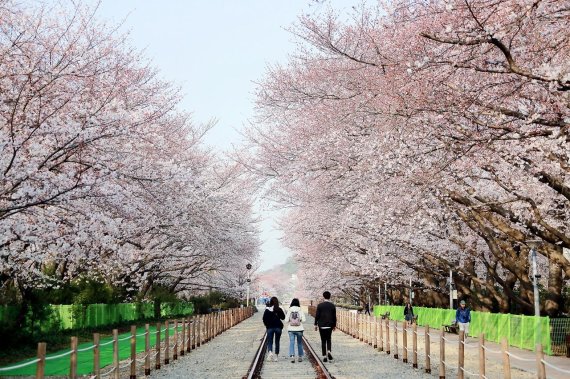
(272, 320)
(409, 313)
(325, 320)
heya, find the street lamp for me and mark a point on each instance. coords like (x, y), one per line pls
(248, 267)
(535, 276)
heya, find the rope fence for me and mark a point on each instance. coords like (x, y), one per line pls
(188, 334)
(388, 336)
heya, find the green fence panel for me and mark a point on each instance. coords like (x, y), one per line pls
(8, 314)
(515, 334)
(60, 366)
(521, 331)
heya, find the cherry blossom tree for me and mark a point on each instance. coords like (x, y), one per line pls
(102, 175)
(423, 137)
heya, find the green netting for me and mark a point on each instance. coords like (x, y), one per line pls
(60, 366)
(8, 314)
(65, 317)
(521, 331)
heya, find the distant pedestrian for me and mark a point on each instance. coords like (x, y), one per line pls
(294, 320)
(272, 320)
(325, 320)
(463, 317)
(367, 309)
(408, 312)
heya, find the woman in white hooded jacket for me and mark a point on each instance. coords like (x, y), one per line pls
(294, 321)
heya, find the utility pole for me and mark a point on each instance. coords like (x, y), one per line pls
(248, 267)
(450, 289)
(379, 294)
(535, 278)
(411, 292)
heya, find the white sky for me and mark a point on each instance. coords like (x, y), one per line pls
(215, 50)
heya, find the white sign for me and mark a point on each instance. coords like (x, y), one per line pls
(454, 294)
(566, 253)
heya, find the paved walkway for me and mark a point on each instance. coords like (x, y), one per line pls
(525, 368)
(354, 359)
(230, 354)
(226, 356)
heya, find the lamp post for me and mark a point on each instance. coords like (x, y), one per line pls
(248, 267)
(411, 292)
(450, 289)
(535, 278)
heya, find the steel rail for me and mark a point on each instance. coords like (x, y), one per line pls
(321, 370)
(257, 363)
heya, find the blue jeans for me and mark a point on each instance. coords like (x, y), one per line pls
(299, 336)
(273, 333)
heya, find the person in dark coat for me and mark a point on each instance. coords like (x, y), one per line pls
(325, 321)
(272, 320)
(408, 312)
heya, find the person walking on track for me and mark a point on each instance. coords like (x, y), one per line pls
(294, 320)
(272, 320)
(325, 321)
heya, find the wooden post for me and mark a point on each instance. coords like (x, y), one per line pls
(461, 355)
(387, 336)
(506, 358)
(182, 350)
(199, 330)
(381, 336)
(133, 374)
(427, 348)
(194, 322)
(415, 345)
(147, 349)
(166, 343)
(175, 348)
(116, 367)
(482, 355)
(96, 356)
(442, 355)
(366, 328)
(189, 331)
(362, 327)
(541, 369)
(73, 359)
(375, 338)
(405, 342)
(370, 331)
(396, 339)
(207, 326)
(158, 361)
(41, 366)
(211, 326)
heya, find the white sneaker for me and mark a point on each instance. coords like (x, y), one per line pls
(270, 356)
(292, 358)
(300, 359)
(275, 358)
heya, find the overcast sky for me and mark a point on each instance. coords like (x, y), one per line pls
(216, 50)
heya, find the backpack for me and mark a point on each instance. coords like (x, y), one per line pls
(295, 319)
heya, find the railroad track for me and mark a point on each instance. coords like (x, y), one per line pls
(285, 369)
